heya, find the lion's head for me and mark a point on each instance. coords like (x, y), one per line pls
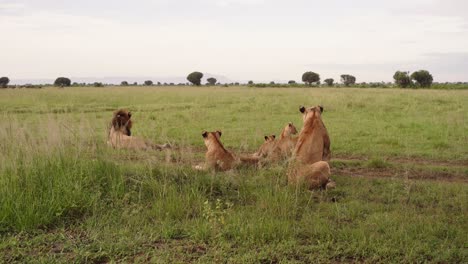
(267, 146)
(289, 129)
(212, 137)
(309, 112)
(121, 121)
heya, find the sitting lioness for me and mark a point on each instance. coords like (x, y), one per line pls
(218, 158)
(120, 135)
(312, 150)
(285, 144)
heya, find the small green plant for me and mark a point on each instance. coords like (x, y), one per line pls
(215, 214)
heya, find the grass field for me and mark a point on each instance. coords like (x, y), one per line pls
(399, 157)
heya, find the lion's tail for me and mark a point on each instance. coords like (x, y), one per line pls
(250, 159)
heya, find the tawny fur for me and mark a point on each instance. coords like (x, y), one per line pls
(309, 160)
(285, 144)
(218, 158)
(267, 147)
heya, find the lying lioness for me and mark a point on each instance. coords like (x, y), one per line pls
(218, 158)
(120, 135)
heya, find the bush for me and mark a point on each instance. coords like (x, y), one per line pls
(402, 79)
(62, 82)
(195, 78)
(4, 82)
(211, 81)
(329, 81)
(311, 77)
(423, 78)
(348, 80)
(124, 83)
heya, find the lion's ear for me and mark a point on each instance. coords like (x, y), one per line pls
(290, 124)
(266, 138)
(302, 109)
(273, 136)
(205, 134)
(219, 132)
(321, 108)
(129, 114)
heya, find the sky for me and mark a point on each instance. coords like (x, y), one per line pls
(259, 40)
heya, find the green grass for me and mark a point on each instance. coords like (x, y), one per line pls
(66, 197)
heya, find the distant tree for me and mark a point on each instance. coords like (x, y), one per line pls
(236, 84)
(347, 79)
(124, 83)
(159, 83)
(171, 84)
(329, 81)
(310, 77)
(292, 82)
(402, 79)
(250, 83)
(148, 82)
(98, 84)
(4, 82)
(211, 81)
(272, 83)
(422, 77)
(195, 78)
(62, 82)
(135, 83)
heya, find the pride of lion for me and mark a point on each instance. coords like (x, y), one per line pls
(307, 154)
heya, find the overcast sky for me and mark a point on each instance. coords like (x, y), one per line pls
(258, 40)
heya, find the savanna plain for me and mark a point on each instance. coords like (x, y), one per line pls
(399, 159)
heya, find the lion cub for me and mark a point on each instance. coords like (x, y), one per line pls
(218, 158)
(267, 147)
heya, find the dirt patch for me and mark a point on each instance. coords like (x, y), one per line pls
(401, 173)
(407, 160)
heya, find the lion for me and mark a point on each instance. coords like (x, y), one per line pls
(218, 158)
(311, 154)
(120, 135)
(267, 146)
(286, 143)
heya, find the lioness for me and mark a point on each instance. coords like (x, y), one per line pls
(286, 143)
(311, 152)
(120, 135)
(218, 158)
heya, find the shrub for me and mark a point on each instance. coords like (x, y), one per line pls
(329, 81)
(195, 78)
(348, 80)
(402, 79)
(423, 78)
(311, 77)
(62, 81)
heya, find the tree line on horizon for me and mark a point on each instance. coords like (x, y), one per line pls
(402, 79)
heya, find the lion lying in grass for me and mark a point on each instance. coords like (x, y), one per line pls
(120, 136)
(308, 165)
(218, 158)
